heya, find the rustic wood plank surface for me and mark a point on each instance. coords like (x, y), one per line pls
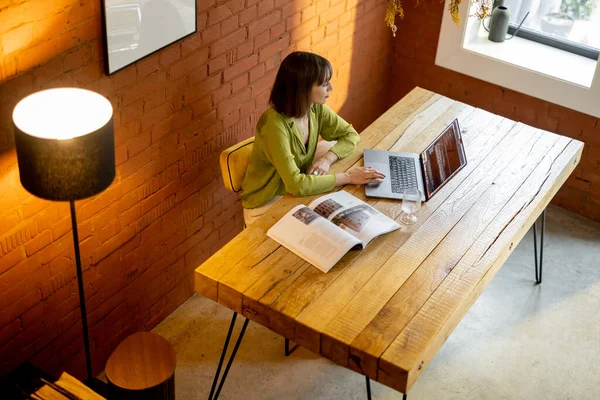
(386, 310)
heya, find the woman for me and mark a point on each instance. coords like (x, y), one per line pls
(283, 158)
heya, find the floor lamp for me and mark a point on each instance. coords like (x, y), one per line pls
(65, 151)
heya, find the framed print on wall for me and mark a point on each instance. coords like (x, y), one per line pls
(134, 29)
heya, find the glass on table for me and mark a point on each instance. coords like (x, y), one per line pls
(411, 203)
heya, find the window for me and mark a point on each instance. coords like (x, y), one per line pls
(547, 72)
(571, 25)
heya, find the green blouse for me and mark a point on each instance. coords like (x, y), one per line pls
(279, 157)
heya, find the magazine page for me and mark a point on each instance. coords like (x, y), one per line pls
(353, 216)
(312, 237)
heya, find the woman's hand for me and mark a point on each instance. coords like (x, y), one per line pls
(359, 176)
(322, 165)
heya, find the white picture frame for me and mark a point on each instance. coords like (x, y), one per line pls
(135, 29)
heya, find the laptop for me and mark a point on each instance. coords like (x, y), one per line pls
(428, 171)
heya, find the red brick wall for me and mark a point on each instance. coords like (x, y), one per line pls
(414, 65)
(174, 112)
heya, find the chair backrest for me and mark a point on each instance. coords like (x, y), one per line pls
(234, 162)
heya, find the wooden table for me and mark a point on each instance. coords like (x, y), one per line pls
(385, 311)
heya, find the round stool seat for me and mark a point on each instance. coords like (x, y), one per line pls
(143, 364)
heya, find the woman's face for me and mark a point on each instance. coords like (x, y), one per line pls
(320, 93)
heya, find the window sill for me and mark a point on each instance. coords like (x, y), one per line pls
(533, 56)
(530, 68)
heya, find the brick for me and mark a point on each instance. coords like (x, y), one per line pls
(205, 4)
(155, 116)
(248, 109)
(78, 58)
(290, 9)
(217, 64)
(274, 48)
(202, 106)
(305, 29)
(112, 244)
(240, 67)
(331, 28)
(239, 82)
(197, 75)
(218, 14)
(257, 72)
(309, 12)
(170, 55)
(229, 25)
(248, 15)
(317, 35)
(294, 21)
(40, 241)
(221, 93)
(211, 34)
(138, 144)
(235, 5)
(144, 87)
(232, 103)
(201, 89)
(231, 119)
(191, 44)
(12, 258)
(181, 118)
(147, 66)
(17, 38)
(81, 11)
(264, 23)
(265, 6)
(277, 31)
(188, 64)
(86, 31)
(125, 77)
(244, 49)
(228, 42)
(261, 40)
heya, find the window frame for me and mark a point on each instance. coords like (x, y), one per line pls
(558, 43)
(452, 55)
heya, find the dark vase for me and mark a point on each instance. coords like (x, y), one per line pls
(499, 24)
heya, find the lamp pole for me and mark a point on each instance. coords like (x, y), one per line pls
(86, 339)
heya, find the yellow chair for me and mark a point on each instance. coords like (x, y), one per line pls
(234, 162)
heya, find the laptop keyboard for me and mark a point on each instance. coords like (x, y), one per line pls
(402, 173)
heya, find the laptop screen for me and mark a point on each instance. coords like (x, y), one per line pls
(443, 158)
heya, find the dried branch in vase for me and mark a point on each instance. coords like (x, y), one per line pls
(483, 10)
(394, 8)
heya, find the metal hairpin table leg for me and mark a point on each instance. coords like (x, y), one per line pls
(404, 395)
(289, 351)
(538, 270)
(231, 357)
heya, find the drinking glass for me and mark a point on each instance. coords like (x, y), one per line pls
(411, 203)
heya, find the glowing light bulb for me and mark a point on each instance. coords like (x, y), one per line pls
(62, 113)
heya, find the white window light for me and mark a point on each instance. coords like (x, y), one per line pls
(522, 65)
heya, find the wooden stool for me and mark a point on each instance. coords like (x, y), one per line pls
(142, 367)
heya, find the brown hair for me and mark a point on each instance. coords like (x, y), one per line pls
(297, 75)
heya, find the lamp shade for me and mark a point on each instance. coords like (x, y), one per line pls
(65, 143)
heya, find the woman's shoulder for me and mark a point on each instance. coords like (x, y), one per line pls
(271, 119)
(272, 123)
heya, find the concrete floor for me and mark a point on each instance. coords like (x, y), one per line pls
(518, 341)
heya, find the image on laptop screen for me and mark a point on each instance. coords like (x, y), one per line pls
(443, 159)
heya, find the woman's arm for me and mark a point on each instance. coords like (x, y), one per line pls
(333, 127)
(277, 148)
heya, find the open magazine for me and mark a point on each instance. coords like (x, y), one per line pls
(329, 227)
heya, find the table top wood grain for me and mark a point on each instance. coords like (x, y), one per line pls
(385, 311)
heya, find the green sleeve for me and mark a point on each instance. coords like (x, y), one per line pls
(333, 127)
(278, 151)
